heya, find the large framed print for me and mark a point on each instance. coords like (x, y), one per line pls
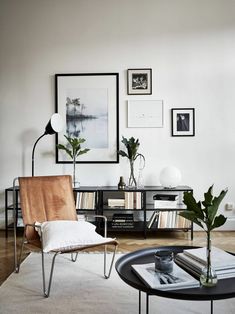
(88, 104)
(182, 122)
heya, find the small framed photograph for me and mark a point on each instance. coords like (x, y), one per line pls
(145, 114)
(183, 122)
(139, 81)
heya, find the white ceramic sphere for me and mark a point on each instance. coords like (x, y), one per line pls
(170, 177)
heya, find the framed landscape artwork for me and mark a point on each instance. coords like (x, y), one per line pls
(183, 122)
(88, 104)
(139, 81)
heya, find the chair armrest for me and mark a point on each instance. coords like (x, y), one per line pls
(105, 222)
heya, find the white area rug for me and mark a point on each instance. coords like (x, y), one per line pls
(80, 288)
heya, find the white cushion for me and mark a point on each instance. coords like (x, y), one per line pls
(67, 234)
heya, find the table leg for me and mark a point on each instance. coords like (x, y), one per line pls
(139, 302)
(147, 303)
(211, 306)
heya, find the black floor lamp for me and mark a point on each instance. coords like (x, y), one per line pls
(54, 125)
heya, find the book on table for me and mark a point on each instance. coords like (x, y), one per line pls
(177, 279)
(194, 260)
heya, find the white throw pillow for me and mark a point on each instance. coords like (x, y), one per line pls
(67, 234)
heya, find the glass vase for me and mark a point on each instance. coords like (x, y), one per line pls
(132, 184)
(76, 183)
(208, 276)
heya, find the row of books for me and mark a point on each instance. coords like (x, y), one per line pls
(167, 219)
(186, 267)
(195, 260)
(131, 200)
(85, 200)
(122, 220)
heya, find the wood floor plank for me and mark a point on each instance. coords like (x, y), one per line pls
(127, 243)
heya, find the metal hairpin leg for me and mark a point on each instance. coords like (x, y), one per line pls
(107, 275)
(211, 306)
(73, 259)
(139, 302)
(46, 292)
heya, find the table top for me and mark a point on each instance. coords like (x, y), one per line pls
(224, 289)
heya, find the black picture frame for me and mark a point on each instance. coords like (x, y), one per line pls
(89, 106)
(139, 81)
(183, 122)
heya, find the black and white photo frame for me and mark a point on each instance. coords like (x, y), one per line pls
(183, 122)
(139, 81)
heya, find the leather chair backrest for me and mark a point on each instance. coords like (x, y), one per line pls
(46, 198)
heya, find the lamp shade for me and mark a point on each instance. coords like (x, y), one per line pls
(170, 177)
(54, 125)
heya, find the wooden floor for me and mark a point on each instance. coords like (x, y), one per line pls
(127, 243)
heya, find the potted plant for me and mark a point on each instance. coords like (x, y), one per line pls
(73, 149)
(204, 214)
(132, 146)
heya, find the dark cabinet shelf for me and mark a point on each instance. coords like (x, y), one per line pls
(139, 203)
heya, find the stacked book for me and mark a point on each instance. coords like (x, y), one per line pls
(194, 260)
(177, 279)
(116, 202)
(133, 200)
(168, 220)
(85, 200)
(165, 200)
(172, 219)
(123, 220)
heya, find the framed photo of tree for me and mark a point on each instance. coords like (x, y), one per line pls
(183, 122)
(139, 81)
(88, 103)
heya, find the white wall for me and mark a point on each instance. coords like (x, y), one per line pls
(190, 46)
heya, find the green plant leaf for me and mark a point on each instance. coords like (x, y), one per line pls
(75, 144)
(192, 205)
(212, 210)
(190, 215)
(122, 153)
(218, 222)
(84, 151)
(208, 197)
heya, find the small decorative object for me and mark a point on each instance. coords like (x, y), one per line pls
(139, 81)
(182, 122)
(73, 149)
(121, 184)
(140, 180)
(132, 154)
(164, 261)
(206, 218)
(170, 177)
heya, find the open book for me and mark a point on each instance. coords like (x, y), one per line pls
(177, 279)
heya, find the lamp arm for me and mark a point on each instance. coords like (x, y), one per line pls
(33, 152)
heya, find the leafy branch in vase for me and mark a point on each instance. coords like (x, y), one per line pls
(73, 149)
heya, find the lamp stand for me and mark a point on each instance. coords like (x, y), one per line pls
(33, 152)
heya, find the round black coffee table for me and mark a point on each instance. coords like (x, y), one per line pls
(224, 289)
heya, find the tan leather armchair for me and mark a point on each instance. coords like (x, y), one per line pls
(48, 199)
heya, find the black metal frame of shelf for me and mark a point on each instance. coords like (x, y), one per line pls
(100, 208)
